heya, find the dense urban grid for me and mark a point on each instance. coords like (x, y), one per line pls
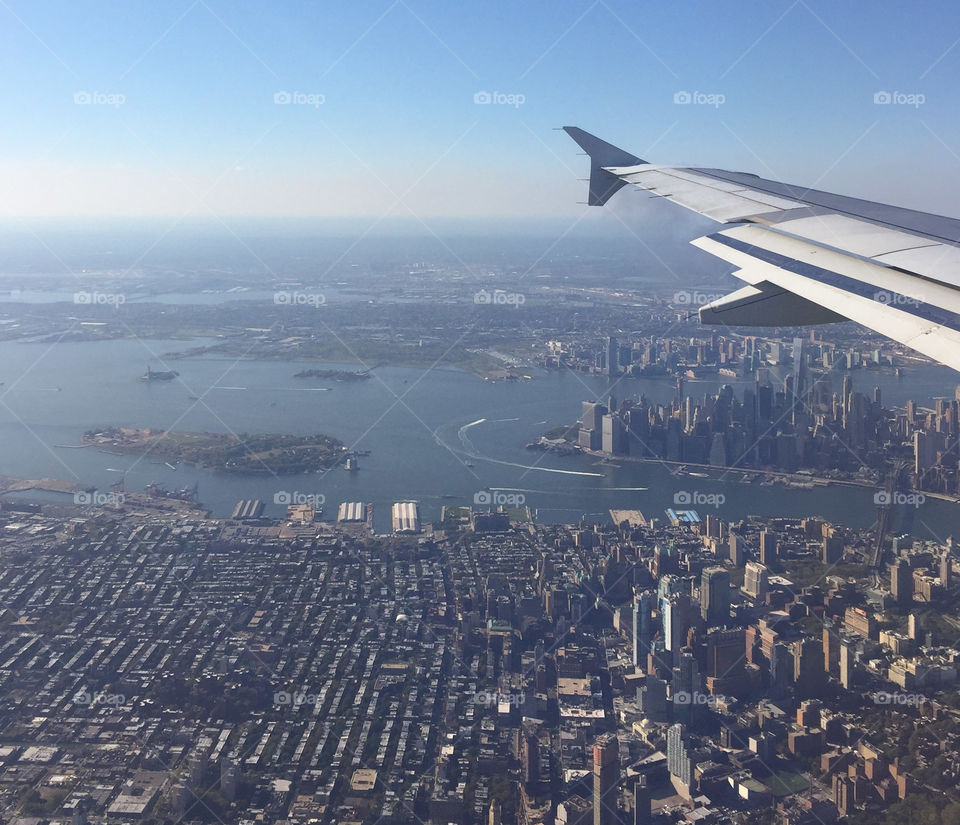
(158, 665)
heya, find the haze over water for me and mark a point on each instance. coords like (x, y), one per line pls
(420, 447)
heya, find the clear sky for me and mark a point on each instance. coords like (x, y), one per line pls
(382, 118)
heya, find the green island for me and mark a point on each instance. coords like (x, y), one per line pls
(225, 452)
(336, 375)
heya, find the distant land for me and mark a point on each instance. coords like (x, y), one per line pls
(225, 452)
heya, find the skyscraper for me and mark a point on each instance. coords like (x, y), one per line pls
(809, 677)
(606, 775)
(768, 548)
(846, 663)
(715, 595)
(901, 582)
(756, 580)
(679, 762)
(642, 628)
(641, 802)
(611, 364)
(676, 616)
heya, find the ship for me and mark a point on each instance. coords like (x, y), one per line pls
(351, 464)
(158, 375)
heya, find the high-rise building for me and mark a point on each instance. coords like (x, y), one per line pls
(768, 548)
(685, 686)
(781, 669)
(652, 698)
(606, 775)
(641, 802)
(679, 761)
(737, 546)
(831, 551)
(756, 580)
(846, 663)
(901, 582)
(676, 613)
(613, 438)
(642, 628)
(715, 595)
(809, 677)
(725, 661)
(831, 648)
(946, 568)
(611, 361)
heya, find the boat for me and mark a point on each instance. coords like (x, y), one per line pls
(351, 464)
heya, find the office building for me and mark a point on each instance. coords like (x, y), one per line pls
(715, 595)
(606, 776)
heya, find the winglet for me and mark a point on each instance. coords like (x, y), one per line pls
(603, 184)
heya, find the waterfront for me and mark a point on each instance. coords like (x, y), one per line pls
(439, 436)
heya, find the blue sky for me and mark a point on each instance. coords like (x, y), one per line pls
(398, 133)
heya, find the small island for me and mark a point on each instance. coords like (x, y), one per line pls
(336, 375)
(225, 452)
(159, 375)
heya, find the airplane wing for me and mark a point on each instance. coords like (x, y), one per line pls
(808, 257)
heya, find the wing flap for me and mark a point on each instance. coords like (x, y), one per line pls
(880, 298)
